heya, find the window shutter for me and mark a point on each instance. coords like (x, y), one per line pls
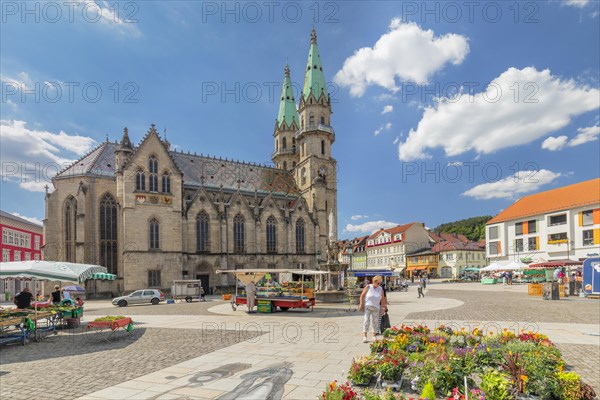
(596, 214)
(537, 242)
(525, 228)
(580, 218)
(499, 248)
(597, 236)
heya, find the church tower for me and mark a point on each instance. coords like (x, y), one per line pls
(285, 155)
(315, 172)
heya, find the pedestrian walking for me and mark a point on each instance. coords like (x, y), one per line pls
(420, 287)
(504, 278)
(373, 303)
(202, 294)
(424, 277)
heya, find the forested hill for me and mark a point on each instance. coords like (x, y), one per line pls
(473, 228)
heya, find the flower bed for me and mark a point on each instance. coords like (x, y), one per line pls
(437, 363)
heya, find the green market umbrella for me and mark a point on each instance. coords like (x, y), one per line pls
(471, 269)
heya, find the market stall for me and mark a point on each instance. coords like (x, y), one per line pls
(545, 273)
(50, 271)
(283, 293)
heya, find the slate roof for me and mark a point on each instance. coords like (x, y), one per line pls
(215, 172)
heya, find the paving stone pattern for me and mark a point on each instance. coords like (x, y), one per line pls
(67, 366)
(583, 359)
(499, 306)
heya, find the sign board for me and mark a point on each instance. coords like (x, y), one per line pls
(263, 306)
(591, 276)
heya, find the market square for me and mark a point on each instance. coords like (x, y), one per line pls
(387, 200)
(316, 347)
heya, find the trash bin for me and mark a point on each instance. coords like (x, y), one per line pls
(550, 291)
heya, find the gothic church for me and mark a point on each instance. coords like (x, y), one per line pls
(151, 214)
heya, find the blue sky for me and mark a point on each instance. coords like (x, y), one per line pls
(442, 111)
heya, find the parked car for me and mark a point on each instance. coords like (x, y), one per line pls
(145, 296)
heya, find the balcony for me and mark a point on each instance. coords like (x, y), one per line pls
(315, 127)
(285, 151)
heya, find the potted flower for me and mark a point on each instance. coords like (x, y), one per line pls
(391, 369)
(333, 391)
(361, 371)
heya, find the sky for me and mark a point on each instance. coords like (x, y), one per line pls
(441, 110)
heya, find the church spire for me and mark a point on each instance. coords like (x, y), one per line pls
(314, 80)
(287, 103)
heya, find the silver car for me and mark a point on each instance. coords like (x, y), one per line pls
(145, 296)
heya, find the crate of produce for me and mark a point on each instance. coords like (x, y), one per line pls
(534, 289)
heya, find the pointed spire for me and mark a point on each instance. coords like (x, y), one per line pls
(125, 142)
(287, 104)
(314, 80)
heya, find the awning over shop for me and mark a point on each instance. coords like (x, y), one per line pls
(419, 268)
(372, 272)
(556, 264)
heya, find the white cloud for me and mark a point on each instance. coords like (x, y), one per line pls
(387, 109)
(497, 118)
(585, 135)
(30, 219)
(576, 3)
(120, 18)
(406, 52)
(396, 140)
(356, 217)
(31, 157)
(382, 128)
(513, 186)
(369, 227)
(555, 143)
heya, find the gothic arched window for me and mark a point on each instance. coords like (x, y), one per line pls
(238, 234)
(166, 183)
(140, 181)
(284, 143)
(202, 232)
(311, 120)
(300, 236)
(70, 228)
(322, 147)
(108, 233)
(303, 176)
(154, 238)
(153, 176)
(271, 235)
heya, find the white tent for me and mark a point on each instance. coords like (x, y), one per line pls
(513, 266)
(492, 267)
(50, 271)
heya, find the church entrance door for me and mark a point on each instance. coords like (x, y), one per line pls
(205, 282)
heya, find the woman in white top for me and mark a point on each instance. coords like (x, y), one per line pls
(373, 302)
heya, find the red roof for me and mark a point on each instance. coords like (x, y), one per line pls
(562, 198)
(394, 230)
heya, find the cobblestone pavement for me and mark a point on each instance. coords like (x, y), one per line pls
(584, 360)
(68, 366)
(511, 306)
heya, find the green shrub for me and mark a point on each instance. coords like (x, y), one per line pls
(495, 385)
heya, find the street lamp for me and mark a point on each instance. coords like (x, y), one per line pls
(350, 252)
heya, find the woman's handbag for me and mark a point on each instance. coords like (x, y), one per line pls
(385, 322)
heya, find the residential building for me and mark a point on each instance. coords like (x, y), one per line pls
(387, 248)
(22, 240)
(457, 255)
(424, 261)
(151, 214)
(562, 223)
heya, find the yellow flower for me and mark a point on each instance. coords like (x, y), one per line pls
(510, 353)
(524, 378)
(560, 368)
(487, 349)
